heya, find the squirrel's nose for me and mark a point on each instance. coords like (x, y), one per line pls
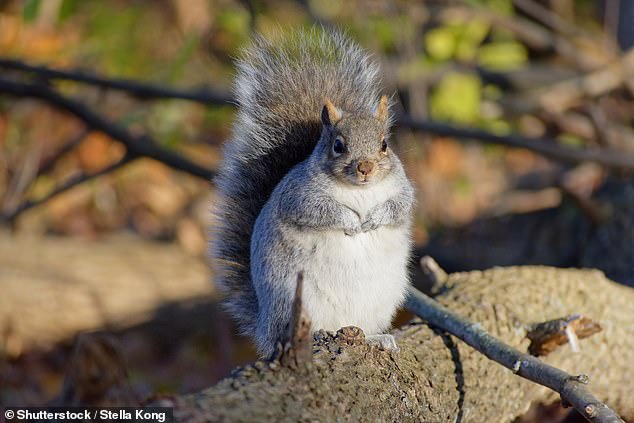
(365, 167)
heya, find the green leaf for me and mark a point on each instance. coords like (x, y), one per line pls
(29, 12)
(571, 140)
(383, 32)
(67, 9)
(462, 186)
(471, 36)
(440, 43)
(415, 69)
(217, 117)
(498, 126)
(503, 7)
(113, 36)
(236, 21)
(503, 55)
(183, 57)
(457, 98)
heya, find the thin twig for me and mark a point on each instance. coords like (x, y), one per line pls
(533, 35)
(25, 174)
(136, 147)
(549, 148)
(142, 146)
(202, 95)
(600, 123)
(560, 96)
(547, 17)
(70, 145)
(70, 183)
(571, 388)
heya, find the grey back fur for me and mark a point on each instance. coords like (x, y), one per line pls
(280, 89)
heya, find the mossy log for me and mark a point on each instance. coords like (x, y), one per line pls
(436, 377)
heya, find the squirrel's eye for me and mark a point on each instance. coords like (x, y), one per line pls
(384, 146)
(339, 147)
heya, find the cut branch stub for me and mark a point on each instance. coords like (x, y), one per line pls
(297, 350)
(432, 271)
(570, 388)
(547, 336)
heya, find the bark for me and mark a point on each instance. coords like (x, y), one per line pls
(436, 377)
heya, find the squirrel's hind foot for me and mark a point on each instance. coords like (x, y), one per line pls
(385, 342)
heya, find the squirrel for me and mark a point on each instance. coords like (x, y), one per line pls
(309, 183)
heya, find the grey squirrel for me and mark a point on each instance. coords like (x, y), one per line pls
(309, 183)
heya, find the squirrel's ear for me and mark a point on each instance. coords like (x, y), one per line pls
(329, 114)
(381, 111)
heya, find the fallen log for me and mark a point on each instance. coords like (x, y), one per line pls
(436, 377)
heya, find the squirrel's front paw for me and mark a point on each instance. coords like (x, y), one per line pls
(385, 342)
(369, 225)
(352, 231)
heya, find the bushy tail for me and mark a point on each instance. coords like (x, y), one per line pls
(280, 89)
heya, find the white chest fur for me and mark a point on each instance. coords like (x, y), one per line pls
(356, 280)
(362, 198)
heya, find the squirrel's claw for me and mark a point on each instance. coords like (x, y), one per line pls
(385, 342)
(369, 225)
(352, 231)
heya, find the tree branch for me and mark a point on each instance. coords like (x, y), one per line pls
(614, 160)
(140, 90)
(142, 146)
(547, 17)
(136, 147)
(533, 35)
(571, 388)
(547, 147)
(71, 183)
(69, 146)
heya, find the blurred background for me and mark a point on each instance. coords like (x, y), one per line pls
(112, 120)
